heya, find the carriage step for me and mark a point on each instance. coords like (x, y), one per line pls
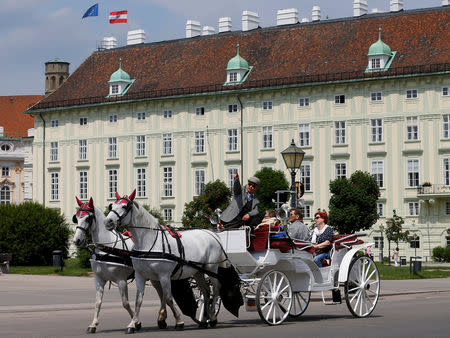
(336, 296)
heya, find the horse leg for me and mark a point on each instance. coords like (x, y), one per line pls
(214, 299)
(204, 289)
(168, 299)
(100, 287)
(135, 323)
(162, 311)
(123, 290)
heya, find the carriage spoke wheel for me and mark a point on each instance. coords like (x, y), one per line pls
(274, 297)
(300, 302)
(200, 315)
(362, 288)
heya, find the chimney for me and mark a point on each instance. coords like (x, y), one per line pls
(287, 16)
(305, 20)
(359, 7)
(135, 37)
(376, 10)
(250, 20)
(316, 13)
(396, 5)
(109, 42)
(444, 2)
(193, 28)
(224, 24)
(208, 30)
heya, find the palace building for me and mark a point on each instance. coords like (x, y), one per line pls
(369, 92)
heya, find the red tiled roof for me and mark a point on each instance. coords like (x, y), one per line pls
(12, 117)
(327, 50)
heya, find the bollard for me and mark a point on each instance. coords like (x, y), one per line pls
(58, 259)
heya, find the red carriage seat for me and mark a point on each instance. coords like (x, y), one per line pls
(260, 236)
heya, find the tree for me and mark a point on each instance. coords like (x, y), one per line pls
(394, 230)
(197, 212)
(353, 204)
(271, 181)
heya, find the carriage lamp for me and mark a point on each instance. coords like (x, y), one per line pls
(293, 157)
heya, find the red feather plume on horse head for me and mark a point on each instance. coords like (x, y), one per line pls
(79, 202)
(91, 204)
(133, 195)
(117, 196)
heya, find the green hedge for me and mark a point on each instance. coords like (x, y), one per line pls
(31, 232)
(441, 254)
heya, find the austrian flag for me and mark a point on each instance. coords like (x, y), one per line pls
(118, 17)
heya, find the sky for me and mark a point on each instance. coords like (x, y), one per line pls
(33, 32)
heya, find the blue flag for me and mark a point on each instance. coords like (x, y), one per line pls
(92, 11)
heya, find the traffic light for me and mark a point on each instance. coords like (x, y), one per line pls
(300, 189)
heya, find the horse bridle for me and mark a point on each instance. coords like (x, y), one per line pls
(128, 208)
(91, 217)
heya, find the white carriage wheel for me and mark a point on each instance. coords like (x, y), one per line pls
(300, 303)
(274, 297)
(200, 300)
(362, 287)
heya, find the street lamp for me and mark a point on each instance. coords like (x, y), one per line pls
(293, 157)
(389, 224)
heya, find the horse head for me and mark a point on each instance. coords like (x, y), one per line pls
(120, 211)
(84, 217)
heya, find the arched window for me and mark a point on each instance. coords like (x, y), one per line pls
(5, 195)
(52, 82)
(61, 80)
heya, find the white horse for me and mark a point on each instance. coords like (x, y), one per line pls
(153, 248)
(106, 266)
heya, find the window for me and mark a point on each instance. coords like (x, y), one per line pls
(82, 149)
(54, 186)
(267, 137)
(376, 63)
(378, 172)
(5, 147)
(140, 182)
(339, 132)
(447, 240)
(230, 176)
(167, 181)
(199, 181)
(376, 130)
(303, 102)
(232, 139)
(53, 151)
(167, 144)
(339, 99)
(306, 211)
(415, 242)
(305, 176)
(376, 97)
(232, 108)
(413, 168)
(412, 128)
(113, 118)
(446, 126)
(445, 91)
(54, 123)
(5, 171)
(446, 171)
(83, 185)
(303, 134)
(112, 147)
(167, 114)
(140, 145)
(412, 94)
(379, 242)
(141, 115)
(413, 208)
(112, 183)
(200, 111)
(380, 209)
(267, 105)
(114, 89)
(5, 195)
(233, 77)
(83, 121)
(447, 209)
(199, 140)
(340, 170)
(167, 212)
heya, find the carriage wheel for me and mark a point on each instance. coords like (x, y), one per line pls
(300, 303)
(274, 297)
(362, 288)
(201, 311)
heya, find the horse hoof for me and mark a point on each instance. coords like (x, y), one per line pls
(179, 327)
(138, 326)
(203, 325)
(91, 329)
(162, 324)
(213, 323)
(130, 330)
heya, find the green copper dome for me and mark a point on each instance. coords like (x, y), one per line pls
(237, 62)
(120, 75)
(379, 47)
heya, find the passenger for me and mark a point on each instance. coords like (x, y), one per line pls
(269, 220)
(321, 238)
(297, 229)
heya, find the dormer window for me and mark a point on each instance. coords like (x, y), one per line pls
(114, 89)
(376, 63)
(380, 56)
(119, 82)
(233, 77)
(237, 70)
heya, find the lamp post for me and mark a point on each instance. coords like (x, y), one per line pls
(293, 157)
(389, 224)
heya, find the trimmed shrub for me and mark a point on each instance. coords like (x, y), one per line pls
(31, 232)
(439, 253)
(447, 254)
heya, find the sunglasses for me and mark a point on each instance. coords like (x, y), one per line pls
(317, 217)
(252, 185)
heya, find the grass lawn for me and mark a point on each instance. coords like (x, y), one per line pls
(71, 268)
(402, 272)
